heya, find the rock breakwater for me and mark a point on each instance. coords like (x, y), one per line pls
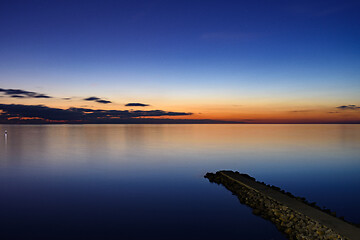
(293, 216)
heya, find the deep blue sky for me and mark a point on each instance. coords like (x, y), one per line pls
(185, 52)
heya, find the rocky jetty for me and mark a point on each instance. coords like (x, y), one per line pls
(294, 216)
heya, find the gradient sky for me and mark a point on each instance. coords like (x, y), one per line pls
(253, 61)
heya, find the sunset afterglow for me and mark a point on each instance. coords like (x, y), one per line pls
(283, 63)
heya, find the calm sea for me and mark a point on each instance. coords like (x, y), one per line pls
(146, 181)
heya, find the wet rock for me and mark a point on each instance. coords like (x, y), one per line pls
(256, 212)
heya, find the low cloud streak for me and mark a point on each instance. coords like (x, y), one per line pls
(136, 105)
(19, 93)
(348, 107)
(96, 99)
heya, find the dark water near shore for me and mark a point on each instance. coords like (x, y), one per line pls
(146, 181)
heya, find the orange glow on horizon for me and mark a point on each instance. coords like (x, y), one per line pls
(253, 112)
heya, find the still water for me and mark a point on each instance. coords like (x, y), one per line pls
(146, 181)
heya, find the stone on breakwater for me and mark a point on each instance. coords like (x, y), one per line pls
(293, 224)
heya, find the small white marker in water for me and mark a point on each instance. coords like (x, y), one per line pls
(5, 132)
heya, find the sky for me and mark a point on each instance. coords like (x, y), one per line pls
(236, 61)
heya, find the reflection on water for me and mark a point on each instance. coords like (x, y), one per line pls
(5, 138)
(118, 179)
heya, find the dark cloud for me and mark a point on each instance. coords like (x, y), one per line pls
(17, 96)
(37, 111)
(348, 107)
(41, 96)
(96, 99)
(91, 99)
(137, 105)
(103, 101)
(85, 115)
(19, 93)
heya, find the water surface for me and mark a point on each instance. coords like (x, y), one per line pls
(146, 181)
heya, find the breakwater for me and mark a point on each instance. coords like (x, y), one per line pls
(293, 216)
